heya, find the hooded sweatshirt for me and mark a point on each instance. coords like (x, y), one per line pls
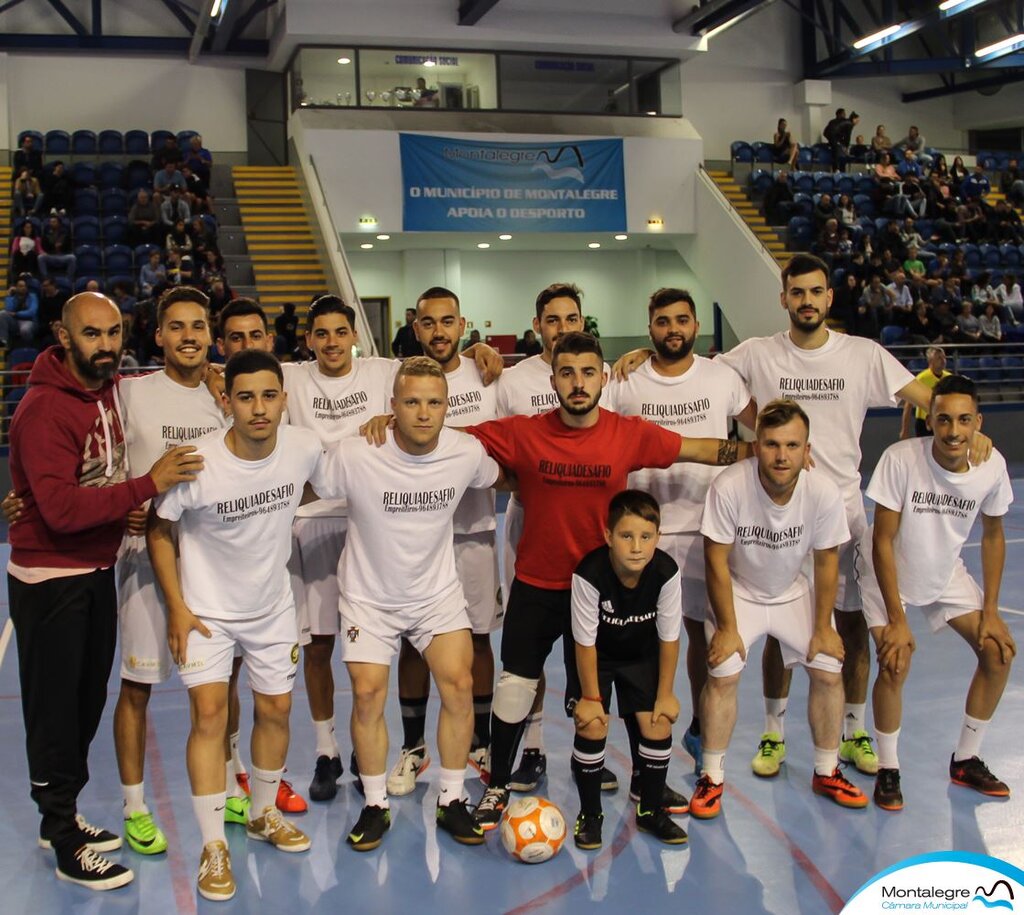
(70, 466)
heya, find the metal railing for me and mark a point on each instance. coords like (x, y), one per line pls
(997, 368)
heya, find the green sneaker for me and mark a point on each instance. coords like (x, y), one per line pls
(143, 835)
(858, 750)
(236, 810)
(771, 751)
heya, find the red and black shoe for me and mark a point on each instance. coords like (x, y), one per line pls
(837, 788)
(973, 773)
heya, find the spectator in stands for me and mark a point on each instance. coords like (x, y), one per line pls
(939, 168)
(844, 132)
(958, 266)
(778, 201)
(27, 195)
(845, 211)
(930, 377)
(865, 321)
(174, 207)
(286, 327)
(875, 295)
(20, 324)
(203, 238)
(199, 159)
(144, 220)
(948, 293)
(211, 267)
(302, 353)
(58, 190)
(28, 156)
(1010, 300)
(220, 294)
(25, 251)
(967, 324)
(824, 210)
(472, 340)
(168, 177)
(51, 304)
(903, 295)
(179, 239)
(186, 269)
(938, 270)
(913, 266)
(971, 221)
(942, 315)
(784, 148)
(1004, 224)
(1011, 183)
(860, 151)
(909, 234)
(122, 297)
(197, 192)
(528, 344)
(914, 141)
(152, 273)
(93, 286)
(57, 249)
(405, 343)
(975, 185)
(830, 134)
(168, 153)
(845, 296)
(920, 326)
(957, 173)
(982, 293)
(827, 244)
(991, 328)
(880, 142)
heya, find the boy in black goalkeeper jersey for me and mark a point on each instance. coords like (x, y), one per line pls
(626, 617)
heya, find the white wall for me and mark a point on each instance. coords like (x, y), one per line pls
(73, 91)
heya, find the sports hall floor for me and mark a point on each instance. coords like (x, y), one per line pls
(777, 848)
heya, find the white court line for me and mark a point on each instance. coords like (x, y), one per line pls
(1011, 540)
(1008, 610)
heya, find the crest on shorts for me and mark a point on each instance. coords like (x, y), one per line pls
(295, 654)
(353, 633)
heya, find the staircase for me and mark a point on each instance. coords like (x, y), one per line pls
(6, 182)
(278, 237)
(756, 222)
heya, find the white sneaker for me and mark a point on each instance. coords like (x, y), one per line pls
(402, 778)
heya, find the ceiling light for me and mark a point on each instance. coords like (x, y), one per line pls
(344, 60)
(366, 246)
(594, 244)
(383, 238)
(718, 29)
(877, 36)
(483, 244)
(429, 63)
(621, 237)
(1006, 44)
(505, 237)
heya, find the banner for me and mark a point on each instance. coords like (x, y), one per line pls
(473, 186)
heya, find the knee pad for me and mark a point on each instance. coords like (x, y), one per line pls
(513, 697)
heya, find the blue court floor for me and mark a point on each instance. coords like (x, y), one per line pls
(777, 848)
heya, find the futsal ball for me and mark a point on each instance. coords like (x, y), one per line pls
(532, 830)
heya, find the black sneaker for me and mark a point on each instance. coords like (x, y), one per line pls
(88, 868)
(96, 838)
(660, 825)
(609, 780)
(672, 801)
(973, 773)
(488, 812)
(456, 820)
(587, 832)
(533, 765)
(369, 830)
(888, 795)
(324, 786)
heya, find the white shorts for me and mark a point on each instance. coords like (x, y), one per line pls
(687, 549)
(476, 562)
(373, 636)
(848, 597)
(792, 623)
(961, 596)
(513, 532)
(142, 619)
(316, 548)
(269, 647)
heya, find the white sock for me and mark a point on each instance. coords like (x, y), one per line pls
(854, 714)
(209, 810)
(326, 744)
(533, 736)
(452, 781)
(375, 790)
(233, 788)
(236, 757)
(825, 761)
(972, 732)
(134, 799)
(714, 766)
(264, 784)
(888, 758)
(774, 709)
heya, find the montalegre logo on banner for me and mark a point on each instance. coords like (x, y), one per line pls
(567, 185)
(944, 881)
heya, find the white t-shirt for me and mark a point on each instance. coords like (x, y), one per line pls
(399, 551)
(335, 408)
(234, 534)
(836, 384)
(525, 389)
(1011, 296)
(697, 404)
(770, 542)
(938, 509)
(471, 402)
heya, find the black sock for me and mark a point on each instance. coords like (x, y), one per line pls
(587, 763)
(482, 720)
(654, 757)
(695, 726)
(505, 738)
(414, 720)
(633, 733)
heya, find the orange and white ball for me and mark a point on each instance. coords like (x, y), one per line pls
(532, 830)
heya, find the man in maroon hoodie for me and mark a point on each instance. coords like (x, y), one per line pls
(69, 465)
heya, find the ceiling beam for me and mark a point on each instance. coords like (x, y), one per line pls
(472, 11)
(180, 15)
(68, 17)
(1002, 80)
(202, 27)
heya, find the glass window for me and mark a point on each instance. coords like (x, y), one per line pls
(544, 82)
(656, 88)
(427, 79)
(324, 77)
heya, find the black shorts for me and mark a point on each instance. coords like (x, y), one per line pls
(536, 618)
(635, 683)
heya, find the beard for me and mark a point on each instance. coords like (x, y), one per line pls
(578, 409)
(806, 326)
(88, 366)
(442, 351)
(670, 354)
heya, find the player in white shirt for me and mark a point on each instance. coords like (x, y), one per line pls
(927, 495)
(402, 498)
(439, 327)
(333, 396)
(238, 514)
(698, 397)
(764, 517)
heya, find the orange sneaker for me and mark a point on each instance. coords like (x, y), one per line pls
(288, 801)
(706, 801)
(243, 782)
(837, 788)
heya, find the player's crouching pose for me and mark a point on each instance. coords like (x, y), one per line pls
(762, 519)
(239, 510)
(927, 495)
(626, 617)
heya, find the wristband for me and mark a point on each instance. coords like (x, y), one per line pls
(591, 698)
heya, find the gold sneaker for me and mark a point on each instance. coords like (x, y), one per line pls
(273, 828)
(216, 882)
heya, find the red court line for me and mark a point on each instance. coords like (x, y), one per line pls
(181, 881)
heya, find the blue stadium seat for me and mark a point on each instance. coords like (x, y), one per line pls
(892, 334)
(83, 143)
(866, 185)
(845, 184)
(866, 225)
(136, 143)
(90, 260)
(210, 221)
(864, 205)
(114, 202)
(142, 253)
(803, 205)
(991, 369)
(84, 174)
(800, 233)
(972, 255)
(824, 183)
(110, 143)
(118, 259)
(184, 136)
(124, 279)
(821, 154)
(22, 354)
(802, 182)
(739, 151)
(110, 175)
(760, 181)
(924, 228)
(804, 157)
(58, 142)
(967, 365)
(1013, 369)
(115, 230)
(157, 139)
(87, 201)
(763, 152)
(990, 256)
(1009, 255)
(35, 134)
(85, 230)
(137, 174)
(916, 366)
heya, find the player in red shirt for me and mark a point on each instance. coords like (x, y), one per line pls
(569, 463)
